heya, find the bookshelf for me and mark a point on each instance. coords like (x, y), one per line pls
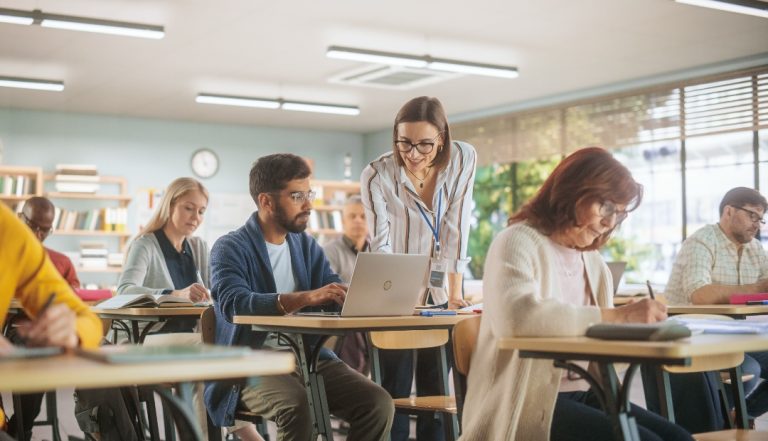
(100, 216)
(19, 183)
(325, 220)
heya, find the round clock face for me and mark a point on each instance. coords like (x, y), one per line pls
(205, 163)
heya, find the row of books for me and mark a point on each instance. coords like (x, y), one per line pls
(76, 178)
(330, 220)
(16, 185)
(95, 254)
(98, 219)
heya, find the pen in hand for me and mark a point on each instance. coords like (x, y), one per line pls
(650, 290)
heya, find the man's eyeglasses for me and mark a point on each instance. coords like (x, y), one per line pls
(37, 229)
(423, 147)
(608, 209)
(754, 217)
(299, 197)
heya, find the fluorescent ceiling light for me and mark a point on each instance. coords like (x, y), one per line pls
(750, 7)
(277, 103)
(378, 57)
(421, 62)
(16, 17)
(28, 83)
(226, 100)
(81, 23)
(492, 70)
(321, 108)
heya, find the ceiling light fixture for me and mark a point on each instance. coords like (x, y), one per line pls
(749, 7)
(81, 23)
(424, 62)
(279, 103)
(28, 83)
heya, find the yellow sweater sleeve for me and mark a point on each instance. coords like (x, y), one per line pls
(30, 276)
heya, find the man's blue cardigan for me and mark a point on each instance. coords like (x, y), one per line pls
(243, 284)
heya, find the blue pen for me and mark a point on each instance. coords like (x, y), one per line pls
(757, 302)
(434, 313)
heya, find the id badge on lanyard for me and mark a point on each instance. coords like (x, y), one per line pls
(438, 265)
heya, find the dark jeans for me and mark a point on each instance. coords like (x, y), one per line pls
(397, 369)
(30, 408)
(578, 417)
(757, 400)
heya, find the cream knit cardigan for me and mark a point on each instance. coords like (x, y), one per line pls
(510, 398)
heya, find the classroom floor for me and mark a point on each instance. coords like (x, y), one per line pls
(68, 425)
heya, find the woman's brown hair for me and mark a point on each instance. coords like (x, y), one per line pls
(586, 176)
(428, 109)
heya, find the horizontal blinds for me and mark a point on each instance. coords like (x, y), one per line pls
(697, 108)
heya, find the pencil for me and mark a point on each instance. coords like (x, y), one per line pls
(650, 290)
(47, 303)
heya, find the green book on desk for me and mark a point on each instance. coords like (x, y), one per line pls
(638, 331)
(144, 354)
(21, 353)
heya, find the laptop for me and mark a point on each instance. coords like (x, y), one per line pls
(617, 271)
(383, 285)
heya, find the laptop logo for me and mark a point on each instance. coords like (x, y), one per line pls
(387, 285)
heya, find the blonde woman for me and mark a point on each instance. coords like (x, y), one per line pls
(165, 258)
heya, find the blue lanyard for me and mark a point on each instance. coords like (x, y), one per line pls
(436, 228)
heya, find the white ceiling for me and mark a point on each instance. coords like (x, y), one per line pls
(277, 49)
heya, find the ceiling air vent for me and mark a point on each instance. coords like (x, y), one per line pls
(391, 77)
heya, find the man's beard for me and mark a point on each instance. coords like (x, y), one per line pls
(291, 225)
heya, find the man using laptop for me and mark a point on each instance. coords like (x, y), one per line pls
(341, 252)
(271, 267)
(723, 259)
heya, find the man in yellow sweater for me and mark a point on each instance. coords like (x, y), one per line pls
(28, 275)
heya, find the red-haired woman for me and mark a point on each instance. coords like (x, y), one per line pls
(545, 277)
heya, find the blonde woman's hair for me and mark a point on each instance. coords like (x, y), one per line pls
(178, 188)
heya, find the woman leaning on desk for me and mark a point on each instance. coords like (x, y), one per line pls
(418, 200)
(544, 277)
(165, 258)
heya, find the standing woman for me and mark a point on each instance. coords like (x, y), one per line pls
(165, 258)
(418, 200)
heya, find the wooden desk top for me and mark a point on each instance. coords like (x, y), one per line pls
(150, 312)
(739, 310)
(42, 374)
(695, 346)
(319, 323)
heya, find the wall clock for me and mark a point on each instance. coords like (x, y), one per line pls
(205, 163)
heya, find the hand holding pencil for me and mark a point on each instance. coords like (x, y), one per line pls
(55, 325)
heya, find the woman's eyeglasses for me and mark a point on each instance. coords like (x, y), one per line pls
(608, 209)
(423, 147)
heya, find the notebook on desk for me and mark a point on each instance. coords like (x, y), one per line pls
(383, 285)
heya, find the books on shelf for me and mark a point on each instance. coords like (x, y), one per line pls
(110, 219)
(16, 185)
(76, 178)
(93, 255)
(144, 300)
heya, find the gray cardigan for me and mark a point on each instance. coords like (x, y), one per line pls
(145, 271)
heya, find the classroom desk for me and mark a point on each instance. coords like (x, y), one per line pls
(294, 328)
(44, 374)
(607, 352)
(151, 315)
(735, 311)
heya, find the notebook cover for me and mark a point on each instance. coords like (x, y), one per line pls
(643, 332)
(143, 354)
(741, 299)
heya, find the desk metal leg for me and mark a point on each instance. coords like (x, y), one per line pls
(737, 388)
(313, 382)
(182, 414)
(20, 435)
(617, 403)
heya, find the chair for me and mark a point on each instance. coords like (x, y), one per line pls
(464, 340)
(419, 405)
(208, 332)
(732, 375)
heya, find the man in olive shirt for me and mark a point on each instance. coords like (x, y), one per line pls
(342, 254)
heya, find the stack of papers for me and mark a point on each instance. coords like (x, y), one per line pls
(713, 326)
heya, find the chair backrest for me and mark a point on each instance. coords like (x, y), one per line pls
(208, 325)
(464, 340)
(429, 338)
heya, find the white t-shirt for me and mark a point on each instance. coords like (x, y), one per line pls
(280, 260)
